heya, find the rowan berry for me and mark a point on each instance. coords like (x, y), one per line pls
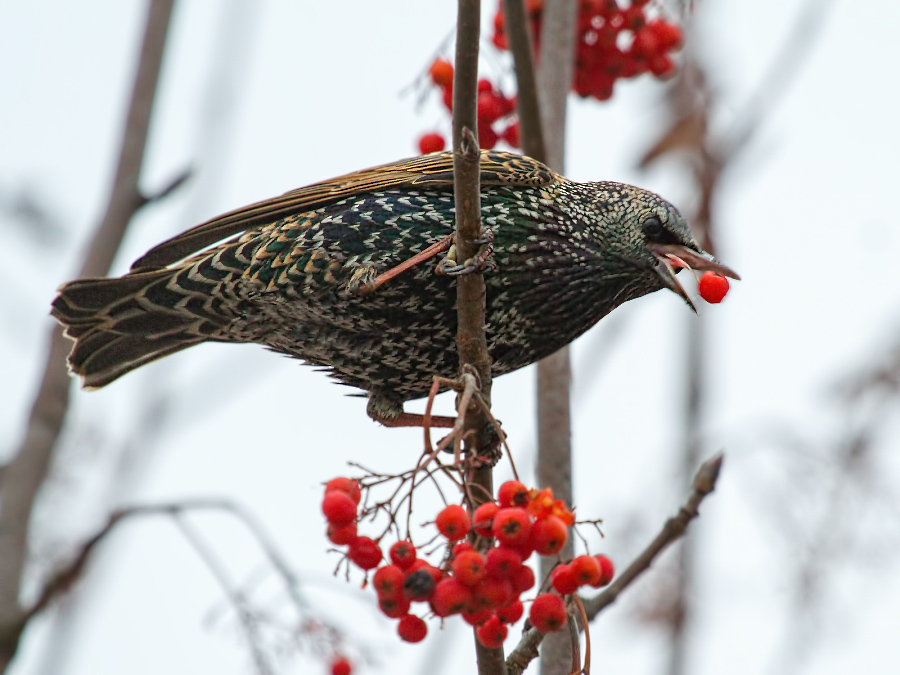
(346, 485)
(587, 570)
(564, 580)
(341, 536)
(412, 629)
(431, 143)
(493, 593)
(487, 137)
(512, 612)
(662, 66)
(512, 525)
(394, 606)
(451, 596)
(419, 586)
(468, 567)
(483, 518)
(403, 554)
(453, 522)
(339, 508)
(491, 633)
(388, 581)
(511, 135)
(441, 73)
(512, 493)
(523, 579)
(713, 287)
(477, 618)
(340, 665)
(668, 35)
(607, 570)
(489, 108)
(461, 547)
(425, 566)
(364, 553)
(500, 563)
(485, 86)
(548, 535)
(547, 613)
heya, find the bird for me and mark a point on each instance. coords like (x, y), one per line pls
(342, 274)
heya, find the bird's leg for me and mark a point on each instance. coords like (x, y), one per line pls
(389, 412)
(482, 261)
(362, 286)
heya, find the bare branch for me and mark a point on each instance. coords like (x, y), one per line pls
(518, 33)
(27, 471)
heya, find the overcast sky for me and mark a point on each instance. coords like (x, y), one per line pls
(304, 91)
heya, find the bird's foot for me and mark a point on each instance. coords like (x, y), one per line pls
(482, 261)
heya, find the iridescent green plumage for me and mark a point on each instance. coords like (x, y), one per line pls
(287, 273)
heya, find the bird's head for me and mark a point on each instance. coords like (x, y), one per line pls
(645, 231)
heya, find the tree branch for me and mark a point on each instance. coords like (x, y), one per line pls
(27, 471)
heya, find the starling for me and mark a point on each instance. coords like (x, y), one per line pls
(309, 274)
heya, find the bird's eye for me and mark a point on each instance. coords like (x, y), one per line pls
(653, 229)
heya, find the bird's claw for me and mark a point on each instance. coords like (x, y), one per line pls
(482, 261)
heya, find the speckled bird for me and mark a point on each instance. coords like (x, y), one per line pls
(308, 274)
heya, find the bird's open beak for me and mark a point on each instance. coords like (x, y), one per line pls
(674, 256)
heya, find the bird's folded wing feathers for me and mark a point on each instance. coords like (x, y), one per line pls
(429, 171)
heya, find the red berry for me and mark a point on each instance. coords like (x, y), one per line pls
(500, 563)
(564, 580)
(431, 143)
(512, 612)
(713, 287)
(662, 66)
(491, 633)
(425, 566)
(512, 525)
(364, 553)
(346, 485)
(634, 17)
(548, 535)
(448, 98)
(523, 579)
(468, 567)
(487, 138)
(453, 522)
(451, 596)
(668, 35)
(511, 135)
(607, 570)
(493, 593)
(388, 581)
(341, 536)
(461, 547)
(403, 554)
(441, 73)
(522, 550)
(489, 108)
(485, 87)
(394, 607)
(477, 618)
(512, 493)
(548, 613)
(587, 570)
(419, 585)
(412, 629)
(645, 43)
(341, 666)
(339, 508)
(483, 518)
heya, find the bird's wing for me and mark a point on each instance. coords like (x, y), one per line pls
(430, 171)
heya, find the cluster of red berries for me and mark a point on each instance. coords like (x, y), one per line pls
(613, 42)
(496, 112)
(713, 287)
(484, 587)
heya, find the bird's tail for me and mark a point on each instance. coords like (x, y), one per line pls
(121, 324)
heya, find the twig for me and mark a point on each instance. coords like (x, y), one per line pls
(518, 33)
(27, 471)
(704, 483)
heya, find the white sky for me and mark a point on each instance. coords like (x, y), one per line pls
(809, 221)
